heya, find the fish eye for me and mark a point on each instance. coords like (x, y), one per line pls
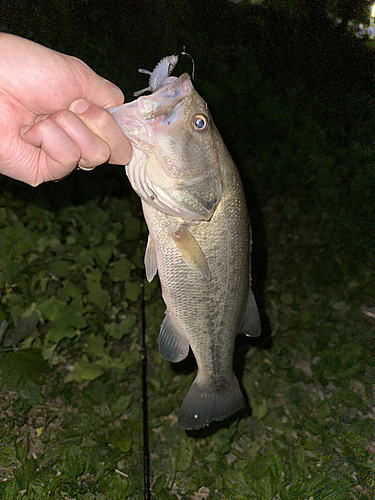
(200, 123)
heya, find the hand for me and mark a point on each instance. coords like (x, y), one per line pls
(52, 116)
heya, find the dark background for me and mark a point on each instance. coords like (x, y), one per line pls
(291, 91)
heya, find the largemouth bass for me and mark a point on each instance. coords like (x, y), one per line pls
(199, 240)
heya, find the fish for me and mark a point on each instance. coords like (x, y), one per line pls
(199, 240)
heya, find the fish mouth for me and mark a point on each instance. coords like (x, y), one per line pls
(163, 102)
(157, 177)
(138, 119)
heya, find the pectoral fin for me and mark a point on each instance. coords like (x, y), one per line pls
(191, 252)
(173, 346)
(251, 323)
(150, 260)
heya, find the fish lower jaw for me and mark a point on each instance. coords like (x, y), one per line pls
(202, 406)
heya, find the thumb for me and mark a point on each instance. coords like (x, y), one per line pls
(95, 88)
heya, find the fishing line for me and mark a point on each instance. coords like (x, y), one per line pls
(146, 449)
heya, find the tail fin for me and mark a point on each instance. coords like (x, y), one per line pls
(201, 407)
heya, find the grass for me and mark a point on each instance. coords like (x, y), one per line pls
(71, 407)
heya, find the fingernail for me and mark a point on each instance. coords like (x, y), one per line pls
(40, 118)
(25, 129)
(79, 106)
(115, 91)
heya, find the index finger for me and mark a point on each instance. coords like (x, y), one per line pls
(102, 124)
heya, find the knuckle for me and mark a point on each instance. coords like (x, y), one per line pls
(96, 154)
(103, 152)
(62, 117)
(71, 154)
(104, 119)
(75, 155)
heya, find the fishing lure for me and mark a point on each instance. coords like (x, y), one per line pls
(161, 74)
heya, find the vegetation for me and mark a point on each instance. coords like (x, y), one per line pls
(299, 123)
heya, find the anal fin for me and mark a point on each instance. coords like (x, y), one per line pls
(173, 346)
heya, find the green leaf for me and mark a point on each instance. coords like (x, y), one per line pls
(132, 290)
(73, 463)
(121, 269)
(131, 226)
(129, 358)
(96, 236)
(118, 330)
(259, 410)
(70, 317)
(340, 306)
(62, 315)
(73, 291)
(30, 311)
(71, 240)
(93, 277)
(24, 328)
(112, 238)
(121, 440)
(305, 316)
(16, 240)
(52, 308)
(84, 370)
(84, 235)
(117, 364)
(61, 268)
(114, 330)
(21, 372)
(287, 298)
(56, 334)
(3, 214)
(48, 242)
(102, 256)
(121, 405)
(128, 322)
(185, 454)
(95, 346)
(85, 258)
(99, 297)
